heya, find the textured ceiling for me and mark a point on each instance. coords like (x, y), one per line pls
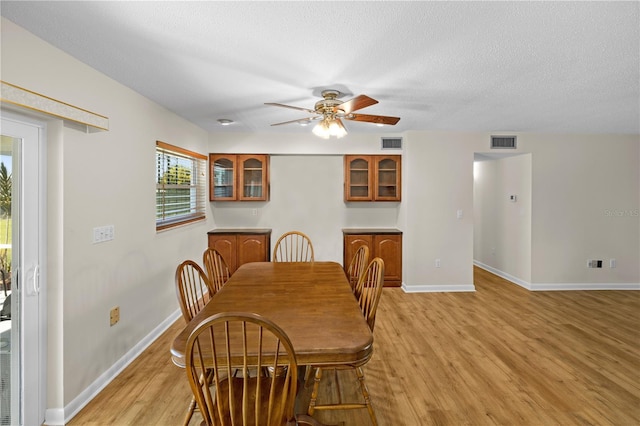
(567, 67)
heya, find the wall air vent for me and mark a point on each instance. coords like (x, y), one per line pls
(503, 142)
(391, 143)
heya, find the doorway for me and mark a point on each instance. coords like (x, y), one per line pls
(502, 194)
(22, 289)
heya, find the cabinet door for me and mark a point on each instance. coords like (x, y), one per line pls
(358, 171)
(351, 244)
(222, 177)
(387, 178)
(253, 248)
(253, 177)
(226, 246)
(389, 248)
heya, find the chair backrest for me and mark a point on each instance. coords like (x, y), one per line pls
(369, 290)
(193, 288)
(231, 342)
(216, 267)
(293, 246)
(359, 262)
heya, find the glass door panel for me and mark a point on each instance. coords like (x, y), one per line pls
(223, 180)
(10, 313)
(359, 182)
(252, 178)
(387, 178)
(23, 328)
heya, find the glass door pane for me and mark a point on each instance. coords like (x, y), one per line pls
(9, 299)
(223, 178)
(387, 178)
(359, 178)
(252, 178)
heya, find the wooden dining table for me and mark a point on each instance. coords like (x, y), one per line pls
(311, 301)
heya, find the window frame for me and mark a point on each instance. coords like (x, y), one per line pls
(197, 201)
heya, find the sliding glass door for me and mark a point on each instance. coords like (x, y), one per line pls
(22, 326)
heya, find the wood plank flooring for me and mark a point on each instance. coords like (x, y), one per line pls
(499, 356)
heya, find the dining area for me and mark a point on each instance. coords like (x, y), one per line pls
(267, 343)
(437, 359)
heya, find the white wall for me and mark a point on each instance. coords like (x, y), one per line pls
(307, 177)
(439, 169)
(575, 180)
(502, 226)
(97, 179)
(578, 181)
(585, 201)
(307, 195)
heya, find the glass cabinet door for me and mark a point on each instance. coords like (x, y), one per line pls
(358, 178)
(222, 182)
(387, 179)
(253, 177)
(239, 177)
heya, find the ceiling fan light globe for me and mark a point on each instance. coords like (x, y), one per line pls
(321, 130)
(336, 130)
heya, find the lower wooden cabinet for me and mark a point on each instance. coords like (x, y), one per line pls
(383, 243)
(240, 246)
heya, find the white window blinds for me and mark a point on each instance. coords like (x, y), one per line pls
(180, 186)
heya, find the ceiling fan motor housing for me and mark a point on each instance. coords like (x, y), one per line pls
(328, 106)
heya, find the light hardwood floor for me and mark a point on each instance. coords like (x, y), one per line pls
(501, 355)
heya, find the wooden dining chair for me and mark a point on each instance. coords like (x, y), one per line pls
(369, 289)
(293, 246)
(194, 291)
(193, 288)
(216, 267)
(368, 292)
(358, 263)
(228, 342)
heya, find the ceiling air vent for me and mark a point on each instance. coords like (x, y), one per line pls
(502, 142)
(391, 143)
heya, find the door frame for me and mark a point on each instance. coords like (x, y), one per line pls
(32, 267)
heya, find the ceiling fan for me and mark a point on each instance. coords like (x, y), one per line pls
(331, 111)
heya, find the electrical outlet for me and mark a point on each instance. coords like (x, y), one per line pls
(612, 263)
(437, 263)
(114, 315)
(594, 263)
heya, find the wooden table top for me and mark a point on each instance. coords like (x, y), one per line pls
(312, 302)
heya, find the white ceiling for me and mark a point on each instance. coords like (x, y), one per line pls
(567, 67)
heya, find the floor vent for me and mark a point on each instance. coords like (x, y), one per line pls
(391, 143)
(502, 142)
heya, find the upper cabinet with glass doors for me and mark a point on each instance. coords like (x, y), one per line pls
(238, 177)
(372, 177)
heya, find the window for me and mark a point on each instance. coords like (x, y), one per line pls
(180, 186)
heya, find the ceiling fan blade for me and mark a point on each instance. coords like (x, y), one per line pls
(292, 107)
(359, 102)
(378, 119)
(300, 120)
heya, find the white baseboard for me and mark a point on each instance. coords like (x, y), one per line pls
(502, 274)
(60, 416)
(584, 286)
(438, 288)
(558, 286)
